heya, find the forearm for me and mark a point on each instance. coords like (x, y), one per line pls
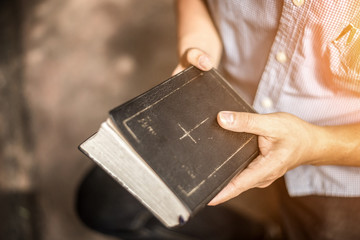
(196, 29)
(337, 145)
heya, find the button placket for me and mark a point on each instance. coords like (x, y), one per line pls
(276, 70)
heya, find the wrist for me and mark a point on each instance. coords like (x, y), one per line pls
(336, 145)
(320, 145)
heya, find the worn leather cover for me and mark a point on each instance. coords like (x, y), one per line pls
(173, 128)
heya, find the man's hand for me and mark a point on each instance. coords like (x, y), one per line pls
(196, 57)
(199, 43)
(285, 142)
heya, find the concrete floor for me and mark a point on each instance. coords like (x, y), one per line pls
(63, 67)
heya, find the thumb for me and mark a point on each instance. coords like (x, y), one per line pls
(195, 57)
(245, 122)
(199, 59)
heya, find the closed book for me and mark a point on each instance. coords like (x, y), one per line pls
(166, 147)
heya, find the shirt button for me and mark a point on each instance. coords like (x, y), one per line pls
(281, 57)
(267, 103)
(298, 3)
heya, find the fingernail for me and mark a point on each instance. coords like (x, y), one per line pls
(205, 63)
(226, 117)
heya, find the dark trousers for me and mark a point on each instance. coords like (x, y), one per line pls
(105, 206)
(319, 217)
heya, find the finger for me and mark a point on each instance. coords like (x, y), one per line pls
(178, 69)
(195, 57)
(231, 190)
(248, 178)
(265, 184)
(198, 58)
(254, 123)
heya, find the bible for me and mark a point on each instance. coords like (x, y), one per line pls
(166, 147)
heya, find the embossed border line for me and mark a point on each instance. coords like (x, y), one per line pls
(150, 106)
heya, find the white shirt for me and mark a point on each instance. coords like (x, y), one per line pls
(300, 57)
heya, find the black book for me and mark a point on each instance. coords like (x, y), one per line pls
(166, 147)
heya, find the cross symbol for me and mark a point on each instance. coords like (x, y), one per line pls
(187, 133)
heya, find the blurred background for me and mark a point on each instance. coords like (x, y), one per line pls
(63, 65)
